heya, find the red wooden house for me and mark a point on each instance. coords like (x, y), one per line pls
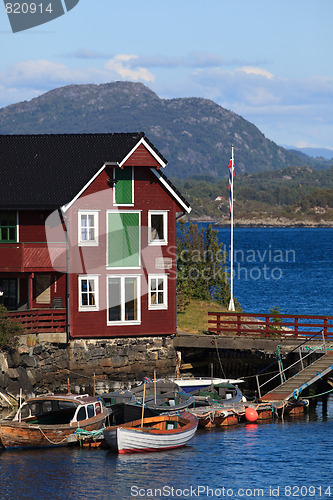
(88, 235)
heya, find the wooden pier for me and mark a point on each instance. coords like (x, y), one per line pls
(255, 342)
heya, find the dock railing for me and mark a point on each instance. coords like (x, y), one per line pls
(269, 325)
(304, 351)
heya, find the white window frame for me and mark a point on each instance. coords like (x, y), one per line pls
(114, 190)
(117, 268)
(122, 278)
(164, 305)
(88, 243)
(163, 241)
(95, 278)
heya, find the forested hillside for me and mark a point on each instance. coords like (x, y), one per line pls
(295, 193)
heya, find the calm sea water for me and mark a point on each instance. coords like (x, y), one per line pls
(289, 268)
(290, 459)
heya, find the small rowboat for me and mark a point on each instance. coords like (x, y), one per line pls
(51, 420)
(160, 433)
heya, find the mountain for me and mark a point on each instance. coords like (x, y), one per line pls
(314, 152)
(194, 134)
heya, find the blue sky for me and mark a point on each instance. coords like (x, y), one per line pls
(270, 62)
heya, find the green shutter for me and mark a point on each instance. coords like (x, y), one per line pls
(124, 240)
(123, 186)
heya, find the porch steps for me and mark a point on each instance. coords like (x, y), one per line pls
(303, 379)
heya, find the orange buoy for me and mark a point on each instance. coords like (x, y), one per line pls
(251, 414)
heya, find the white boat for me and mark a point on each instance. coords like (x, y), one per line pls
(160, 433)
(195, 384)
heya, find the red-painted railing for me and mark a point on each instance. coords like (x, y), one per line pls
(269, 325)
(40, 320)
(31, 257)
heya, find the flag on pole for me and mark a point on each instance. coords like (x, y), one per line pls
(231, 180)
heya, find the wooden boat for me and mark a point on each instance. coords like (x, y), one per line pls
(215, 416)
(162, 395)
(160, 433)
(111, 398)
(51, 420)
(121, 413)
(218, 405)
(223, 394)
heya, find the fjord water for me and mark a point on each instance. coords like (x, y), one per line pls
(289, 268)
(280, 459)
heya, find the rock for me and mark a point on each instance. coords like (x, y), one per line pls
(28, 361)
(13, 358)
(3, 363)
(13, 374)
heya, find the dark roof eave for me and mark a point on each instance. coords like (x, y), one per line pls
(30, 207)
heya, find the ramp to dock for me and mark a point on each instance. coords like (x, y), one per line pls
(302, 380)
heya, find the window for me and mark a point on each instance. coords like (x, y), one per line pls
(158, 296)
(123, 190)
(81, 414)
(88, 228)
(157, 228)
(123, 240)
(88, 293)
(123, 300)
(90, 411)
(8, 227)
(9, 292)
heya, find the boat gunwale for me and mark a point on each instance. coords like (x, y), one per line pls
(189, 420)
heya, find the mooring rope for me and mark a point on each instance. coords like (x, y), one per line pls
(218, 355)
(50, 441)
(318, 395)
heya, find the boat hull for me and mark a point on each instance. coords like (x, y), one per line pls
(215, 417)
(25, 435)
(132, 438)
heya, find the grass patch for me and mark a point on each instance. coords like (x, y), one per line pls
(195, 317)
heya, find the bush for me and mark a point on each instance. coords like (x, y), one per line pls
(201, 266)
(9, 330)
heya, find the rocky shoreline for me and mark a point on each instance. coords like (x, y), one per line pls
(266, 222)
(85, 365)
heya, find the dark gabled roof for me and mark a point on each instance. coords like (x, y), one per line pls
(174, 191)
(48, 171)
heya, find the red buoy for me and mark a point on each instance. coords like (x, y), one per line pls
(251, 414)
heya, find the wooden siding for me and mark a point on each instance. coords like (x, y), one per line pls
(32, 225)
(142, 158)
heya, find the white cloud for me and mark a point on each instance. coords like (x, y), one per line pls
(122, 65)
(252, 70)
(27, 79)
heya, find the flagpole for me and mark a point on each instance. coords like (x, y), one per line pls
(231, 303)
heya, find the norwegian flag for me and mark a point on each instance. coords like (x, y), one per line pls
(231, 180)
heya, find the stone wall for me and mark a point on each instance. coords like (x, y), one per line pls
(85, 365)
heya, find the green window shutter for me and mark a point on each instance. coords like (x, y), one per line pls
(123, 186)
(123, 240)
